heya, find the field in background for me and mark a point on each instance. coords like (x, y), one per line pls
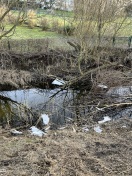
(24, 32)
(55, 21)
(51, 24)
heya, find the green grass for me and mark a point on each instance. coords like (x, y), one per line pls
(126, 30)
(64, 17)
(126, 27)
(59, 13)
(24, 32)
(123, 28)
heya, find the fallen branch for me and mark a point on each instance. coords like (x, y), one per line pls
(115, 105)
(86, 76)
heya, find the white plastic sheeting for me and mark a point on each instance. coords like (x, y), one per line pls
(106, 119)
(35, 131)
(58, 82)
(45, 119)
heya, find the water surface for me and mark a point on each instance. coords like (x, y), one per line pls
(55, 103)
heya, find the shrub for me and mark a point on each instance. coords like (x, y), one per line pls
(13, 19)
(3, 9)
(32, 23)
(69, 30)
(31, 14)
(10, 17)
(55, 25)
(128, 10)
(32, 18)
(44, 24)
(66, 30)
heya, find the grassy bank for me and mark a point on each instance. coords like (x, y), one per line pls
(50, 24)
(24, 32)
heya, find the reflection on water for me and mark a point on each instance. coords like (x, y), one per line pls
(61, 107)
(43, 101)
(5, 110)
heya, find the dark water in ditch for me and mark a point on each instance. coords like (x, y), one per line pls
(58, 105)
(22, 107)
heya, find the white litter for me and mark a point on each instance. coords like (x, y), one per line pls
(85, 129)
(45, 119)
(103, 86)
(62, 128)
(124, 126)
(99, 109)
(106, 119)
(98, 129)
(58, 82)
(35, 131)
(15, 132)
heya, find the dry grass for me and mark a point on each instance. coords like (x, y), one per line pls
(14, 78)
(66, 153)
(114, 78)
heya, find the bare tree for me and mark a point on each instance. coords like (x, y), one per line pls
(96, 20)
(97, 16)
(7, 14)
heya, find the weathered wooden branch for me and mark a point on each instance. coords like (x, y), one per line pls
(116, 105)
(86, 76)
(74, 45)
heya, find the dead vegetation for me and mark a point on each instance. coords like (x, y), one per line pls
(14, 79)
(66, 152)
(105, 66)
(70, 152)
(23, 70)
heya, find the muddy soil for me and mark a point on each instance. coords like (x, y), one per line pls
(69, 152)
